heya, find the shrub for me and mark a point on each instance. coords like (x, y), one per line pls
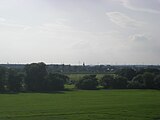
(148, 79)
(2, 79)
(137, 82)
(119, 82)
(106, 81)
(55, 81)
(14, 82)
(128, 73)
(88, 82)
(157, 82)
(135, 85)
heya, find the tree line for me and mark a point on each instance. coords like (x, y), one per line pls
(126, 78)
(35, 77)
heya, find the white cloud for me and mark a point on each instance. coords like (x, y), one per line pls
(127, 4)
(2, 19)
(123, 20)
(55, 27)
(143, 43)
(10, 26)
(140, 38)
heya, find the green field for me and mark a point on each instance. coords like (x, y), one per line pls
(82, 105)
(79, 76)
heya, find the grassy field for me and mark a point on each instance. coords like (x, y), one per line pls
(82, 105)
(79, 76)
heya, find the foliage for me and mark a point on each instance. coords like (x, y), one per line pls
(14, 81)
(88, 82)
(56, 81)
(150, 70)
(157, 82)
(2, 79)
(137, 82)
(35, 76)
(107, 81)
(128, 73)
(119, 82)
(148, 79)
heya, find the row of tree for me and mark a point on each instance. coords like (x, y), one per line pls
(127, 80)
(36, 78)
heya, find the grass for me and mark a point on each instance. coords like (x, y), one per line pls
(79, 76)
(82, 105)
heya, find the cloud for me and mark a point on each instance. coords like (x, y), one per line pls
(139, 38)
(55, 27)
(123, 20)
(127, 4)
(2, 19)
(14, 25)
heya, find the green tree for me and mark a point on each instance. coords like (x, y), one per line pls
(150, 70)
(157, 82)
(88, 82)
(2, 79)
(119, 82)
(137, 82)
(14, 80)
(148, 79)
(35, 76)
(129, 73)
(106, 81)
(55, 82)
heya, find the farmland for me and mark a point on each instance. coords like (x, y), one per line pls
(82, 105)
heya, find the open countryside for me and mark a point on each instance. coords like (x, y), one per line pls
(37, 93)
(79, 59)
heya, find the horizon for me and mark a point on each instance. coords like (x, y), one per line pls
(82, 64)
(106, 32)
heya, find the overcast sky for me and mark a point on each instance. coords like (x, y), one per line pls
(76, 31)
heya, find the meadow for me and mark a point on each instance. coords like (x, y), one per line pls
(82, 105)
(77, 76)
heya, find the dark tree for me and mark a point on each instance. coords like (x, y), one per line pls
(119, 82)
(35, 76)
(106, 81)
(157, 82)
(55, 82)
(2, 79)
(129, 73)
(88, 82)
(137, 82)
(148, 79)
(14, 82)
(150, 70)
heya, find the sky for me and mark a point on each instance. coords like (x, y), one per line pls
(77, 31)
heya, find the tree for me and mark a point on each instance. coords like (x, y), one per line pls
(88, 82)
(150, 70)
(119, 82)
(55, 82)
(157, 82)
(137, 82)
(129, 73)
(148, 79)
(14, 80)
(35, 76)
(106, 81)
(2, 79)
(134, 85)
